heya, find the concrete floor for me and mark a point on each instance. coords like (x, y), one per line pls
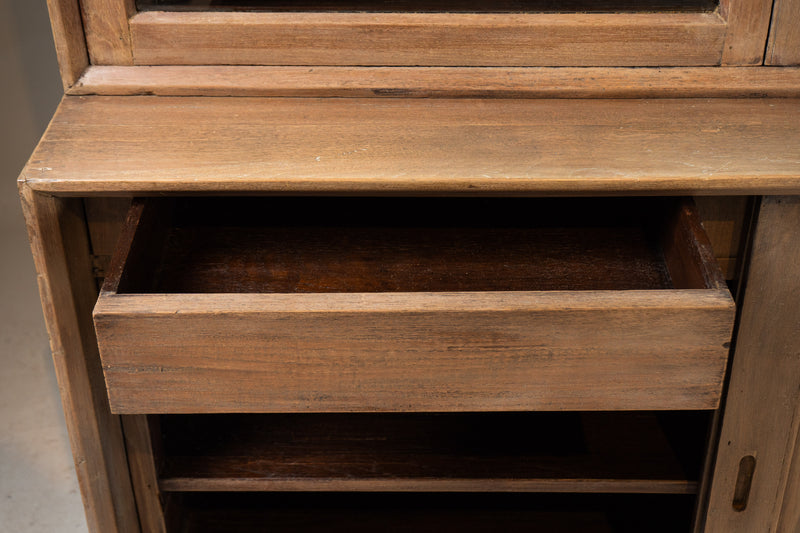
(38, 489)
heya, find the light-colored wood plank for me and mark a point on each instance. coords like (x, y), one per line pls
(746, 31)
(425, 82)
(124, 145)
(230, 38)
(763, 402)
(143, 473)
(65, 19)
(108, 33)
(57, 231)
(784, 36)
(361, 352)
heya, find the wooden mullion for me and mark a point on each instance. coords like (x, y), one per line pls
(746, 31)
(65, 19)
(784, 36)
(108, 33)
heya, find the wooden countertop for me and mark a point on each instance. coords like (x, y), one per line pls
(107, 145)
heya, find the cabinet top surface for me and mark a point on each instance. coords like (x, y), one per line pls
(139, 145)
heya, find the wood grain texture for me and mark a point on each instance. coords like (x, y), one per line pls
(144, 478)
(108, 35)
(790, 512)
(56, 228)
(105, 218)
(784, 37)
(484, 452)
(429, 39)
(65, 20)
(724, 219)
(441, 82)
(762, 410)
(123, 145)
(747, 28)
(414, 351)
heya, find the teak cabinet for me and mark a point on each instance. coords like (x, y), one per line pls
(417, 266)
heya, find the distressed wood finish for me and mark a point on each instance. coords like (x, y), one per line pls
(121, 145)
(482, 452)
(65, 19)
(747, 27)
(362, 351)
(790, 512)
(761, 413)
(108, 34)
(139, 447)
(430, 39)
(442, 82)
(56, 228)
(784, 38)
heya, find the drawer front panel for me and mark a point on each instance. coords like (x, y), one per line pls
(459, 352)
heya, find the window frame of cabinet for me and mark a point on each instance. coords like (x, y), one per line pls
(734, 34)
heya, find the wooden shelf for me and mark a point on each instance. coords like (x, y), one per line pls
(430, 513)
(121, 145)
(494, 452)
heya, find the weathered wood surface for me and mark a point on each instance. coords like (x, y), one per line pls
(108, 34)
(122, 145)
(429, 39)
(443, 82)
(57, 231)
(762, 410)
(70, 43)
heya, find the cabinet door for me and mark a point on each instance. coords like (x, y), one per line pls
(427, 32)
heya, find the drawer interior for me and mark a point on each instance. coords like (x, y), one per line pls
(356, 245)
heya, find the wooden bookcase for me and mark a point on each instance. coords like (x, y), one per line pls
(409, 266)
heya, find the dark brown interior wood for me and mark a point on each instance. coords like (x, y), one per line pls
(236, 452)
(469, 6)
(322, 245)
(430, 513)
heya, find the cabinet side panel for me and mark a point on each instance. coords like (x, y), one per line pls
(761, 414)
(57, 231)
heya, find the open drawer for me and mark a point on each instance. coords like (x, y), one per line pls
(403, 304)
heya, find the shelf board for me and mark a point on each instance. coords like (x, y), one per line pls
(127, 145)
(466, 452)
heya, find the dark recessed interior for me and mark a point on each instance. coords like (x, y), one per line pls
(324, 245)
(634, 451)
(429, 513)
(440, 6)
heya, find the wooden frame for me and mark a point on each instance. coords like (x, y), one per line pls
(762, 412)
(441, 82)
(784, 37)
(733, 36)
(57, 232)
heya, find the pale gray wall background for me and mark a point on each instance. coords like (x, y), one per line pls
(38, 489)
